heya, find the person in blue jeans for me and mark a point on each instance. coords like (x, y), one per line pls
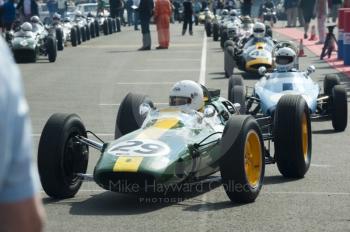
(145, 13)
(8, 14)
(129, 11)
(20, 205)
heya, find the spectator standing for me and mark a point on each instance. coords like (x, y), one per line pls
(321, 12)
(51, 7)
(336, 4)
(308, 7)
(162, 14)
(136, 14)
(1, 15)
(116, 6)
(20, 206)
(204, 4)
(145, 13)
(8, 14)
(129, 12)
(188, 12)
(62, 7)
(246, 6)
(346, 4)
(256, 6)
(291, 8)
(300, 15)
(27, 9)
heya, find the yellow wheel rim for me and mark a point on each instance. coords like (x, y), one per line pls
(304, 136)
(252, 158)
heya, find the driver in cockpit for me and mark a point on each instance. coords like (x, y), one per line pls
(36, 23)
(187, 95)
(285, 60)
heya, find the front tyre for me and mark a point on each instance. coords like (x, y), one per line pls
(339, 108)
(51, 48)
(292, 136)
(242, 166)
(61, 156)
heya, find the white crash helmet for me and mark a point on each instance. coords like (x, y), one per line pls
(259, 30)
(35, 19)
(78, 13)
(56, 16)
(233, 12)
(26, 27)
(285, 59)
(224, 12)
(186, 94)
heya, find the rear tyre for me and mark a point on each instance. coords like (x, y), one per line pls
(329, 82)
(87, 31)
(51, 48)
(339, 108)
(223, 39)
(105, 27)
(83, 34)
(92, 30)
(110, 26)
(208, 29)
(234, 81)
(73, 37)
(97, 29)
(215, 32)
(78, 35)
(61, 156)
(129, 118)
(229, 64)
(292, 136)
(59, 37)
(242, 166)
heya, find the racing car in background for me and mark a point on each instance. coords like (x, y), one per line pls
(331, 104)
(250, 53)
(166, 147)
(32, 41)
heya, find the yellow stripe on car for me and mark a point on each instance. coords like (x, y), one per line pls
(127, 164)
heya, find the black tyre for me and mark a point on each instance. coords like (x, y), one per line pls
(83, 34)
(215, 32)
(329, 82)
(269, 31)
(110, 26)
(234, 80)
(129, 118)
(97, 29)
(292, 136)
(105, 27)
(223, 39)
(92, 30)
(78, 35)
(208, 29)
(51, 48)
(339, 108)
(61, 157)
(87, 31)
(114, 25)
(237, 95)
(73, 37)
(59, 37)
(229, 64)
(242, 166)
(118, 25)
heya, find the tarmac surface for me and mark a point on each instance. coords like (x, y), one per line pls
(92, 79)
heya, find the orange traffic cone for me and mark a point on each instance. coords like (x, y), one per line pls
(313, 36)
(301, 49)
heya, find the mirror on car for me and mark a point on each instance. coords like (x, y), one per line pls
(262, 70)
(311, 69)
(144, 109)
(209, 111)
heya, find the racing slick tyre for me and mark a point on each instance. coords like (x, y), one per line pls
(329, 82)
(83, 34)
(339, 108)
(129, 117)
(51, 48)
(110, 26)
(105, 27)
(269, 31)
(229, 62)
(215, 32)
(92, 30)
(73, 37)
(118, 23)
(77, 29)
(208, 29)
(292, 136)
(234, 81)
(114, 25)
(59, 37)
(243, 164)
(237, 95)
(61, 156)
(97, 29)
(223, 39)
(88, 33)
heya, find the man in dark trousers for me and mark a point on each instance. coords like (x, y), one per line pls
(116, 7)
(27, 8)
(145, 14)
(188, 12)
(246, 6)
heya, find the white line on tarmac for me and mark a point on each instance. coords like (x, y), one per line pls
(203, 61)
(320, 165)
(145, 83)
(118, 104)
(172, 60)
(310, 193)
(98, 134)
(165, 70)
